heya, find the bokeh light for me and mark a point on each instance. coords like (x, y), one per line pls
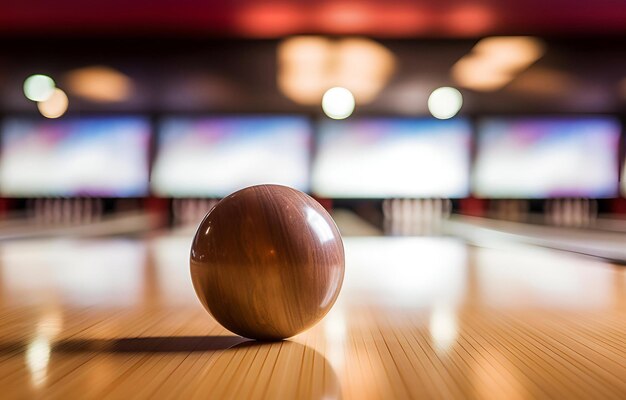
(338, 103)
(309, 65)
(445, 102)
(55, 106)
(99, 84)
(495, 61)
(363, 67)
(38, 87)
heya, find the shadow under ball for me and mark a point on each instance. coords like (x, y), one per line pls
(267, 262)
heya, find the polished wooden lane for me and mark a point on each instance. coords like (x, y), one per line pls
(417, 318)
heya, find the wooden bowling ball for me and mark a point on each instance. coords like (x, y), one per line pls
(267, 262)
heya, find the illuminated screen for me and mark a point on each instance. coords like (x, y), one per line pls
(377, 158)
(217, 156)
(543, 158)
(106, 157)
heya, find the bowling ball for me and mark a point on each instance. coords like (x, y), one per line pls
(267, 262)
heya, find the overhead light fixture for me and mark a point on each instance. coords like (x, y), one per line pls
(496, 61)
(363, 67)
(445, 102)
(510, 53)
(480, 74)
(309, 65)
(303, 68)
(55, 106)
(38, 87)
(338, 103)
(99, 84)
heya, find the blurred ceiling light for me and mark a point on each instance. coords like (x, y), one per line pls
(308, 65)
(495, 61)
(362, 66)
(302, 88)
(38, 87)
(338, 103)
(305, 50)
(302, 68)
(479, 74)
(99, 84)
(510, 53)
(55, 105)
(445, 102)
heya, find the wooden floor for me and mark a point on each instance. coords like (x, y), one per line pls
(417, 318)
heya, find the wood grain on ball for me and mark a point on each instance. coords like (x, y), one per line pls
(267, 262)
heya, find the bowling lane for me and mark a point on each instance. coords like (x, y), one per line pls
(417, 317)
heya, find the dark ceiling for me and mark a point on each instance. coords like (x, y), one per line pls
(220, 56)
(239, 75)
(274, 18)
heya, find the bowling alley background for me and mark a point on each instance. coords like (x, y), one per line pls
(401, 115)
